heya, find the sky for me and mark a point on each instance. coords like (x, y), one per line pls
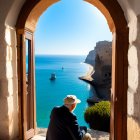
(70, 27)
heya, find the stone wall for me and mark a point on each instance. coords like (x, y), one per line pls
(8, 85)
(8, 69)
(132, 14)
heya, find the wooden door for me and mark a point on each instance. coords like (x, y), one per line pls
(28, 96)
(30, 93)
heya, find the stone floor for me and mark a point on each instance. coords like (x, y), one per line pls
(96, 135)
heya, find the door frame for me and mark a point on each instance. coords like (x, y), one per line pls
(22, 85)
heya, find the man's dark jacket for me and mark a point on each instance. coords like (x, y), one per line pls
(60, 120)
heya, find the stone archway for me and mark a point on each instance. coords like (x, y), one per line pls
(28, 18)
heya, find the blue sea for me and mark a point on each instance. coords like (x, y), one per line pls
(51, 93)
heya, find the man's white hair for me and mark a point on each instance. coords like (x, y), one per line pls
(68, 105)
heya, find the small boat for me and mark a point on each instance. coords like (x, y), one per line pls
(53, 76)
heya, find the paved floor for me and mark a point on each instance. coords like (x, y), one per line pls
(96, 135)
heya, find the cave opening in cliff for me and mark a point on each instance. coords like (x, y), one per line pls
(66, 35)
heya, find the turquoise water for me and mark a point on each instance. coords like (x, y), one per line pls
(51, 93)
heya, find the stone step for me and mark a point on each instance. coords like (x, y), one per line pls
(96, 135)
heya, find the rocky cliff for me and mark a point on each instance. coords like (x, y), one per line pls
(101, 60)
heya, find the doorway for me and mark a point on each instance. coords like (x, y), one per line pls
(27, 22)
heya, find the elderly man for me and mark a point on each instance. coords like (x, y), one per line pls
(63, 123)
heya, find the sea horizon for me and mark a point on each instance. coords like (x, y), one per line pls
(60, 54)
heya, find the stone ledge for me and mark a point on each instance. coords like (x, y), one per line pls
(96, 135)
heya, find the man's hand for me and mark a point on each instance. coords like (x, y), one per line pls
(83, 128)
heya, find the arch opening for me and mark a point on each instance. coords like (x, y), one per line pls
(69, 39)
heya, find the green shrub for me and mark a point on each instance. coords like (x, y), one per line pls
(98, 116)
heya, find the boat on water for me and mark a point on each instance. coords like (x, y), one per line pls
(53, 76)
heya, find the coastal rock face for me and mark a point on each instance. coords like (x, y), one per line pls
(101, 60)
